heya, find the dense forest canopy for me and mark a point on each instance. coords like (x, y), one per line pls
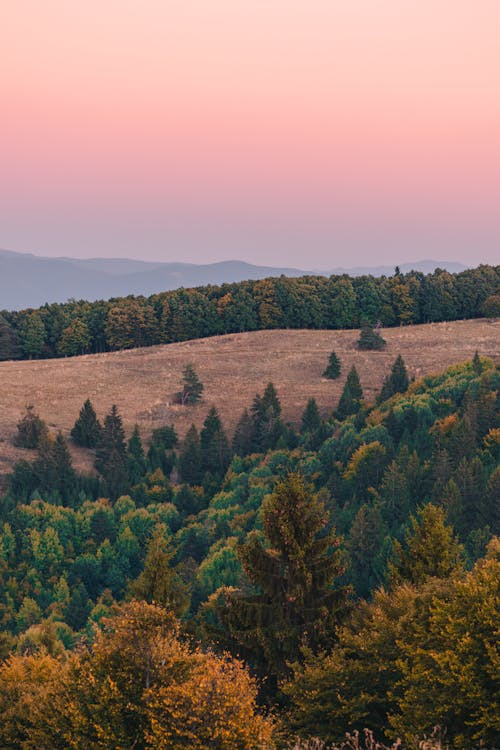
(78, 327)
(358, 551)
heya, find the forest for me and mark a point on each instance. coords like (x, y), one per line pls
(274, 588)
(79, 327)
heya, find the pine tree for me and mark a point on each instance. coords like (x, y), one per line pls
(243, 435)
(370, 339)
(430, 549)
(352, 396)
(294, 571)
(477, 364)
(396, 382)
(112, 439)
(190, 466)
(192, 387)
(29, 430)
(215, 453)
(135, 457)
(159, 582)
(333, 368)
(267, 424)
(311, 418)
(87, 429)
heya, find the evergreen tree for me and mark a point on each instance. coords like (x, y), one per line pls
(161, 449)
(112, 439)
(159, 582)
(192, 387)
(32, 335)
(87, 428)
(476, 363)
(311, 418)
(370, 339)
(396, 382)
(365, 542)
(294, 571)
(135, 457)
(333, 368)
(430, 549)
(243, 435)
(267, 424)
(215, 453)
(352, 396)
(189, 463)
(115, 474)
(29, 430)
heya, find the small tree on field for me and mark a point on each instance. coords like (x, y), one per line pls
(333, 368)
(29, 430)
(370, 339)
(192, 387)
(396, 382)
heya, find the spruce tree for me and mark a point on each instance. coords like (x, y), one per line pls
(267, 424)
(370, 339)
(159, 582)
(296, 602)
(333, 367)
(30, 429)
(215, 453)
(396, 382)
(311, 418)
(243, 435)
(477, 364)
(112, 439)
(87, 429)
(135, 457)
(192, 387)
(352, 396)
(189, 463)
(430, 549)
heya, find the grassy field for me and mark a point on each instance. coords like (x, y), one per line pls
(142, 382)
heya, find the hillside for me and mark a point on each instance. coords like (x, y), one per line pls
(142, 382)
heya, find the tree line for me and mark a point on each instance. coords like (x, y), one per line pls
(79, 327)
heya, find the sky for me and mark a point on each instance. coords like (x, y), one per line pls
(312, 133)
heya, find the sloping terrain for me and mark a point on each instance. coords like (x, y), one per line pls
(143, 382)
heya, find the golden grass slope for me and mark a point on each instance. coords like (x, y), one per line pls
(142, 382)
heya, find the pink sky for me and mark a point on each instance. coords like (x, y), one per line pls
(313, 132)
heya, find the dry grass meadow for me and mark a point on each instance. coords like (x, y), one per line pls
(142, 382)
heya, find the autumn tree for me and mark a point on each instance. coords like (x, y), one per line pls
(75, 339)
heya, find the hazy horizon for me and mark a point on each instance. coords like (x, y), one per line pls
(307, 134)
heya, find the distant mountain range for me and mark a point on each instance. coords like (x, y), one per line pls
(28, 280)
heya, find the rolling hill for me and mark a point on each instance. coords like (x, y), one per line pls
(142, 382)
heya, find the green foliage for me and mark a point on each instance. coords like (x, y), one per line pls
(32, 335)
(333, 367)
(192, 387)
(29, 430)
(295, 569)
(396, 382)
(189, 463)
(351, 398)
(370, 339)
(87, 429)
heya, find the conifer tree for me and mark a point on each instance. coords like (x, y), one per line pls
(294, 570)
(311, 418)
(29, 430)
(352, 396)
(189, 463)
(476, 363)
(159, 582)
(9, 341)
(430, 549)
(370, 339)
(333, 367)
(396, 382)
(267, 424)
(215, 453)
(243, 435)
(192, 387)
(87, 429)
(112, 439)
(135, 457)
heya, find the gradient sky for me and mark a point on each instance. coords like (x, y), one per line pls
(313, 133)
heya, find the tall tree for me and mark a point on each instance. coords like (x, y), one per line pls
(87, 429)
(243, 435)
(192, 387)
(112, 439)
(9, 341)
(352, 396)
(136, 459)
(215, 452)
(396, 382)
(294, 570)
(190, 467)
